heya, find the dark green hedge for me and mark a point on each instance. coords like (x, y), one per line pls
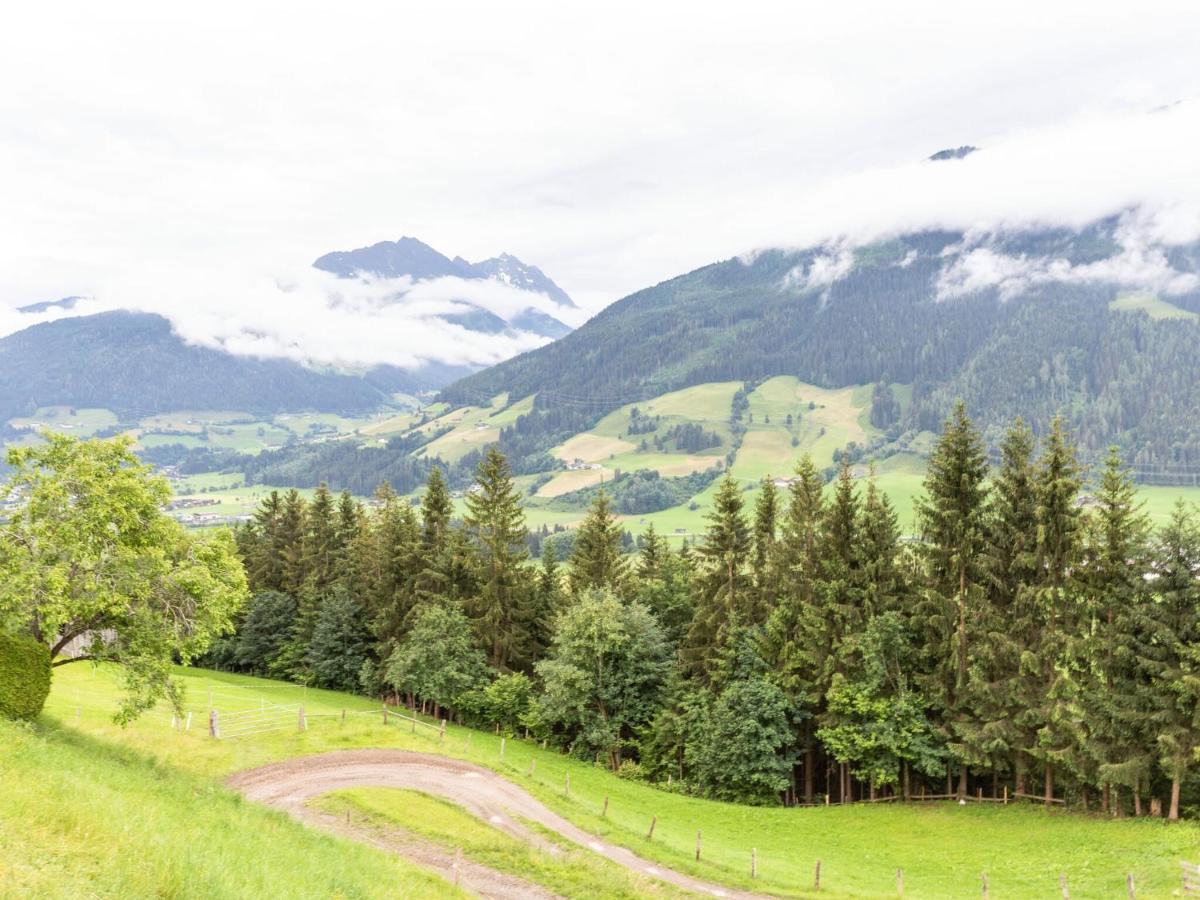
(24, 676)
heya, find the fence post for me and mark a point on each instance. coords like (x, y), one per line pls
(414, 720)
(442, 732)
(214, 724)
(697, 846)
(188, 725)
(650, 833)
(385, 715)
(502, 748)
(1062, 883)
(1006, 795)
(604, 812)
(1129, 886)
(900, 882)
(343, 717)
(532, 763)
(457, 865)
(567, 785)
(817, 877)
(303, 722)
(753, 862)
(985, 887)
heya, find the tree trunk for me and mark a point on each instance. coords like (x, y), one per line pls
(1106, 798)
(1049, 795)
(907, 783)
(1173, 813)
(872, 795)
(809, 764)
(949, 782)
(1137, 799)
(962, 782)
(1021, 771)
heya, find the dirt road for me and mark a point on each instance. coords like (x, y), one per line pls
(289, 785)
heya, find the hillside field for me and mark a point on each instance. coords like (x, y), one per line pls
(77, 785)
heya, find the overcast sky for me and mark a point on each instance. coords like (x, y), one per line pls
(196, 150)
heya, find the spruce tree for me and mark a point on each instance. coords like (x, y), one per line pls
(798, 655)
(596, 558)
(1170, 651)
(952, 518)
(262, 549)
(1001, 690)
(1117, 558)
(1058, 654)
(436, 511)
(496, 524)
(763, 571)
(724, 591)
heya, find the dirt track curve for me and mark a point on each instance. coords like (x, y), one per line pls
(291, 784)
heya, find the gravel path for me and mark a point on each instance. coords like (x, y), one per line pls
(289, 785)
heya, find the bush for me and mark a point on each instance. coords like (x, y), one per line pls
(24, 676)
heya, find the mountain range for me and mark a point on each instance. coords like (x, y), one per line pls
(1099, 324)
(135, 364)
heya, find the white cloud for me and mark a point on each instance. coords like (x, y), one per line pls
(315, 317)
(189, 158)
(1141, 264)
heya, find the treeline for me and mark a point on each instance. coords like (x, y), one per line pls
(643, 491)
(1027, 639)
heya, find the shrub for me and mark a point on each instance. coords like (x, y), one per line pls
(24, 676)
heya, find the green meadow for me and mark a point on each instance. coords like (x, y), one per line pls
(76, 786)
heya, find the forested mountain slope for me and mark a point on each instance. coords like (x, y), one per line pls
(135, 365)
(1091, 323)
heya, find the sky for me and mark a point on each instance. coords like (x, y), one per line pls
(194, 159)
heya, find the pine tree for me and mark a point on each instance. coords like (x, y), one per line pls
(596, 559)
(650, 557)
(322, 549)
(496, 524)
(763, 571)
(879, 550)
(1170, 652)
(290, 543)
(261, 548)
(952, 519)
(1001, 690)
(1058, 649)
(798, 654)
(436, 511)
(724, 591)
(1117, 558)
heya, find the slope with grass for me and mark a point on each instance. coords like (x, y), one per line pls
(941, 847)
(86, 816)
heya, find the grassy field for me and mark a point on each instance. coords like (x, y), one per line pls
(1154, 307)
(942, 847)
(570, 872)
(84, 816)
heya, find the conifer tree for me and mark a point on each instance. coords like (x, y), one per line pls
(1001, 691)
(431, 584)
(1170, 651)
(766, 516)
(651, 555)
(436, 511)
(496, 524)
(262, 548)
(596, 559)
(724, 591)
(290, 536)
(879, 549)
(952, 518)
(1057, 649)
(1117, 557)
(796, 653)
